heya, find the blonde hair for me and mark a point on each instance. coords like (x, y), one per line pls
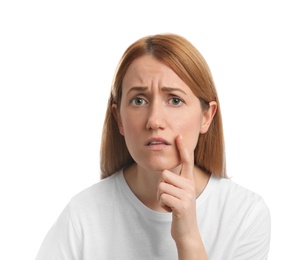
(186, 61)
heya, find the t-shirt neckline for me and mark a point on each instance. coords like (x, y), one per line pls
(155, 215)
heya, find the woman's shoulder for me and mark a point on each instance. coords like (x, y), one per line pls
(98, 193)
(230, 193)
(228, 187)
(233, 203)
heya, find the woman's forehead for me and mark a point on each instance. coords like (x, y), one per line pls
(147, 70)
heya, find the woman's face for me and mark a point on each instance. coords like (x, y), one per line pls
(156, 107)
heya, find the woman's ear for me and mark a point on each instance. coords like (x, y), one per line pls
(117, 117)
(208, 116)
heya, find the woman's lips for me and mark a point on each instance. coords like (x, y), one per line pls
(156, 142)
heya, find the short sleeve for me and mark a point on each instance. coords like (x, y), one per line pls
(255, 240)
(62, 241)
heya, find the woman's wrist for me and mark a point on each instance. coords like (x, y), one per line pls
(191, 248)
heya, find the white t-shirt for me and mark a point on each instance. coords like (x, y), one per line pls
(107, 221)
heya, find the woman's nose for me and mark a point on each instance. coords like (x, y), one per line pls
(156, 117)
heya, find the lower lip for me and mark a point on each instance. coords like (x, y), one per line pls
(157, 147)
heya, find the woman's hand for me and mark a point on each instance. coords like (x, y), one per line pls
(177, 194)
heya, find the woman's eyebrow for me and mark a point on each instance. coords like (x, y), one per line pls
(164, 89)
(137, 88)
(170, 89)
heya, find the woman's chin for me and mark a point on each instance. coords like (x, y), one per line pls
(160, 167)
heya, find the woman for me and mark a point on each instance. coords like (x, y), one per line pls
(164, 192)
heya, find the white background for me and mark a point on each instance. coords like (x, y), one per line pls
(57, 59)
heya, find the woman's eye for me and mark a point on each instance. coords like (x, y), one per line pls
(175, 101)
(138, 101)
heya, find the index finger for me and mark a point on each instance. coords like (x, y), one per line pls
(187, 159)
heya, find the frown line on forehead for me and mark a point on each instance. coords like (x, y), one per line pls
(164, 89)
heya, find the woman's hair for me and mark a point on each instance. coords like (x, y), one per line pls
(186, 61)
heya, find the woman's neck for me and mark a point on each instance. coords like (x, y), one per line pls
(144, 184)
